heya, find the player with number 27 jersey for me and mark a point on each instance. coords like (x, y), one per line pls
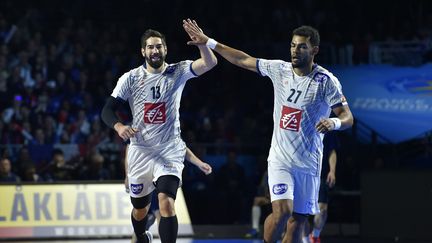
(300, 102)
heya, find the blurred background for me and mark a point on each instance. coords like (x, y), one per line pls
(60, 60)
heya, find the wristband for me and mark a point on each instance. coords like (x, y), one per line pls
(337, 123)
(211, 43)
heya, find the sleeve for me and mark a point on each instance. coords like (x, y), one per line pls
(187, 71)
(122, 88)
(270, 68)
(108, 115)
(263, 67)
(333, 93)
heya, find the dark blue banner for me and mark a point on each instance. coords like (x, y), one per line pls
(394, 101)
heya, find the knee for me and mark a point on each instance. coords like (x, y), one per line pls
(259, 201)
(297, 220)
(166, 205)
(323, 209)
(281, 215)
(323, 212)
(139, 214)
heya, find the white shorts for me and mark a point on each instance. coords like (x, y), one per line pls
(302, 188)
(147, 164)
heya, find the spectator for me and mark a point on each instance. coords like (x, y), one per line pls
(94, 168)
(6, 174)
(58, 169)
(30, 175)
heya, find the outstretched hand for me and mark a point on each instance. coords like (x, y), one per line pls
(195, 33)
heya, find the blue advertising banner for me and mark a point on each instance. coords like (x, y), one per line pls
(394, 101)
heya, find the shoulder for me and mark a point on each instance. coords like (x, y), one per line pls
(132, 75)
(136, 72)
(277, 63)
(273, 66)
(323, 75)
(176, 67)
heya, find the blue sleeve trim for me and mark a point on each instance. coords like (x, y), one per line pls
(257, 67)
(336, 105)
(192, 71)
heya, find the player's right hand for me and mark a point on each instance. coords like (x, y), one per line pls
(125, 132)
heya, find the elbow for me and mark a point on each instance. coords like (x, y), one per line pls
(213, 62)
(350, 121)
(210, 64)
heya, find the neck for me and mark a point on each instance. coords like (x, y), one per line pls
(150, 69)
(303, 71)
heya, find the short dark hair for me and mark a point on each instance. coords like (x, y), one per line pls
(151, 33)
(308, 31)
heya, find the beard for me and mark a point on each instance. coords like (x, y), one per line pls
(299, 63)
(157, 63)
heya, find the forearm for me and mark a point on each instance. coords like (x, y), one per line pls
(207, 56)
(108, 115)
(236, 57)
(344, 117)
(346, 120)
(191, 157)
(332, 161)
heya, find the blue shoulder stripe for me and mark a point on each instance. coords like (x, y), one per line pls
(192, 71)
(257, 67)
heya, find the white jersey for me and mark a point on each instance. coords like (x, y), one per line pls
(155, 101)
(300, 102)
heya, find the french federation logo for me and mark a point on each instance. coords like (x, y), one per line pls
(279, 189)
(154, 113)
(290, 118)
(137, 188)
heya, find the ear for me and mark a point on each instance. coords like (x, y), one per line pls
(143, 52)
(315, 50)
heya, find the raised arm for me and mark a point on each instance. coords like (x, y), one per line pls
(234, 56)
(207, 61)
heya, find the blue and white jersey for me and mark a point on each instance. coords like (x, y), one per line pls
(155, 101)
(300, 102)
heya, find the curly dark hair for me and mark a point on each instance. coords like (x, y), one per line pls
(308, 31)
(151, 33)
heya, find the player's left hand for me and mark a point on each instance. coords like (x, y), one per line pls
(206, 168)
(195, 33)
(325, 125)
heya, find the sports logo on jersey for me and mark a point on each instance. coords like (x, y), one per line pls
(170, 69)
(279, 189)
(320, 77)
(290, 118)
(154, 113)
(136, 188)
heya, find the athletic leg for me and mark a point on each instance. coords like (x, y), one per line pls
(167, 191)
(275, 222)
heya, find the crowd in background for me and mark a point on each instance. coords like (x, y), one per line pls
(59, 61)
